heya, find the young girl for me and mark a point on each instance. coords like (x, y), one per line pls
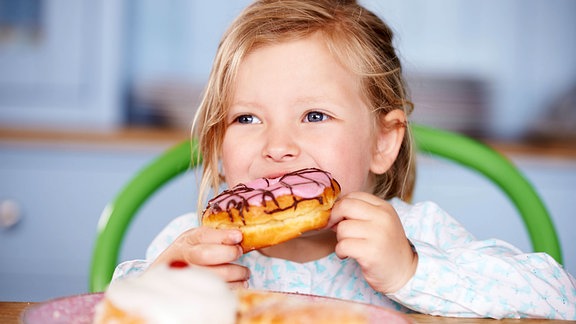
(300, 83)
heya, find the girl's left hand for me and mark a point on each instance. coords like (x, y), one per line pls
(369, 230)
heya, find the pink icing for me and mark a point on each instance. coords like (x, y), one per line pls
(306, 184)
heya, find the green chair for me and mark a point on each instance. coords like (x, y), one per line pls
(117, 215)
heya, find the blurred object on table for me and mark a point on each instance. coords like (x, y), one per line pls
(451, 102)
(558, 123)
(170, 103)
(21, 23)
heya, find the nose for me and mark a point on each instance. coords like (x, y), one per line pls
(281, 145)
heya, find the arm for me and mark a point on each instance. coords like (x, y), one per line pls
(460, 276)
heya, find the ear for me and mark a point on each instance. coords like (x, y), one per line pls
(389, 134)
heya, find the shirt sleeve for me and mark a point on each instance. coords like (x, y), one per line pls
(160, 243)
(458, 275)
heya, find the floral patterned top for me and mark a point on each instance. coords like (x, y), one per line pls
(456, 275)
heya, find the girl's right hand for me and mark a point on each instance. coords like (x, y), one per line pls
(214, 249)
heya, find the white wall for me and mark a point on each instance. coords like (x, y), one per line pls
(525, 49)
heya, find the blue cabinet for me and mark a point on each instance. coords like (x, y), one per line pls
(60, 193)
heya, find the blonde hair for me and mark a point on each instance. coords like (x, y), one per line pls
(356, 37)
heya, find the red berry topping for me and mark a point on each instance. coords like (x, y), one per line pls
(178, 264)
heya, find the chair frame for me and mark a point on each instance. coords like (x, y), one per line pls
(495, 166)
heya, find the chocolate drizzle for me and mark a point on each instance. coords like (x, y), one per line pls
(239, 196)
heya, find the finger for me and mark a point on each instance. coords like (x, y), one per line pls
(238, 285)
(206, 234)
(211, 254)
(341, 210)
(353, 229)
(360, 206)
(231, 272)
(205, 246)
(351, 248)
(352, 208)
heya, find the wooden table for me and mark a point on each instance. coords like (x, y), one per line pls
(10, 311)
(10, 314)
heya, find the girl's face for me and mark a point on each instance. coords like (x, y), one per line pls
(295, 107)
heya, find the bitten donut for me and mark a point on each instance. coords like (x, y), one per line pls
(272, 211)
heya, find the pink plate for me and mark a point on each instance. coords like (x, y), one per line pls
(79, 309)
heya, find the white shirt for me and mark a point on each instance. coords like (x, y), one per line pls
(456, 275)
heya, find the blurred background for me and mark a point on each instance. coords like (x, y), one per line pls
(91, 90)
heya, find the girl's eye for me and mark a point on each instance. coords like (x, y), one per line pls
(247, 119)
(315, 116)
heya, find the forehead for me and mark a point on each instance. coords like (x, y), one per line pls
(349, 53)
(304, 66)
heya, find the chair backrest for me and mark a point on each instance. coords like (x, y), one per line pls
(118, 214)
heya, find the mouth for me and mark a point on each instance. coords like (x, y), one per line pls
(275, 175)
(278, 175)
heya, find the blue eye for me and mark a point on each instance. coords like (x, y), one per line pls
(247, 119)
(315, 116)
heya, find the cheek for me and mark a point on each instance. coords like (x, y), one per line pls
(353, 179)
(227, 151)
(232, 159)
(238, 156)
(350, 166)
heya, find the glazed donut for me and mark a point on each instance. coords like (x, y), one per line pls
(272, 211)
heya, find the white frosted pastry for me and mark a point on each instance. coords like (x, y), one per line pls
(169, 294)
